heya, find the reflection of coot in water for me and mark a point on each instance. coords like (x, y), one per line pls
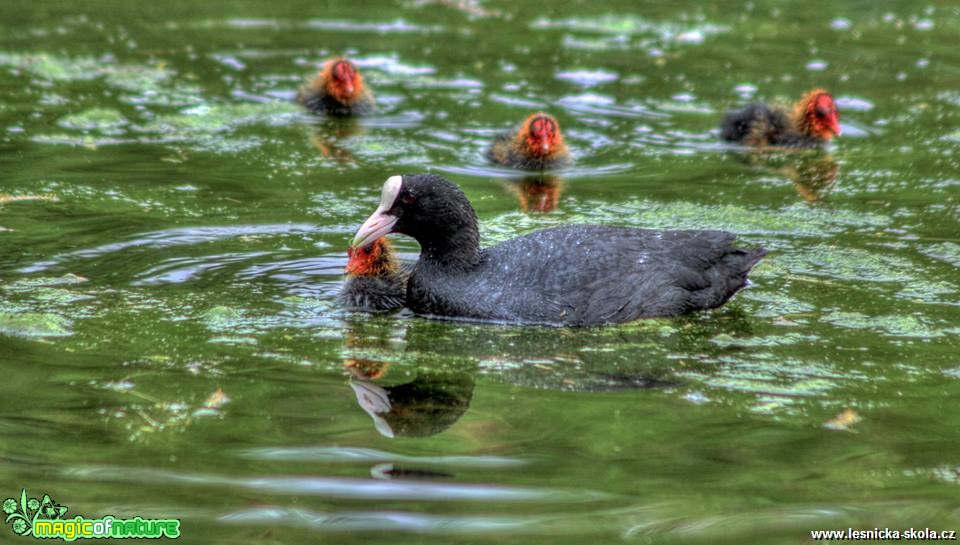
(427, 406)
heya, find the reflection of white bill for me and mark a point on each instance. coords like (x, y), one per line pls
(374, 400)
(381, 471)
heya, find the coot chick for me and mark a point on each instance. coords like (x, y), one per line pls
(536, 145)
(813, 122)
(578, 275)
(376, 280)
(338, 90)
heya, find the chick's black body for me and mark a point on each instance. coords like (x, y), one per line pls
(319, 102)
(374, 293)
(577, 275)
(764, 125)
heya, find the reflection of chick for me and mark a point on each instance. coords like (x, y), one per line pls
(327, 138)
(365, 347)
(338, 90)
(364, 369)
(813, 173)
(813, 177)
(537, 194)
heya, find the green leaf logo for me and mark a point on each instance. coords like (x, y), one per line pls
(25, 513)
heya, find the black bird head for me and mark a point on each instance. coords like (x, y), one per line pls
(430, 209)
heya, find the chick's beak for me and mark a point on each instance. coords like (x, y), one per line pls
(545, 144)
(835, 126)
(376, 226)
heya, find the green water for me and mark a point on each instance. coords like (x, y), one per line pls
(171, 224)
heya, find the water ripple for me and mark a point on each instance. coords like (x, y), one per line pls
(180, 236)
(349, 454)
(341, 487)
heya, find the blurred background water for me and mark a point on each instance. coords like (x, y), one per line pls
(173, 227)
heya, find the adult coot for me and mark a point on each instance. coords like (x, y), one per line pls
(338, 90)
(813, 122)
(536, 145)
(578, 275)
(376, 280)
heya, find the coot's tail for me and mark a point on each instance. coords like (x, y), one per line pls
(739, 263)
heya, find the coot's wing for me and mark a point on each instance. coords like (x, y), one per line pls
(583, 275)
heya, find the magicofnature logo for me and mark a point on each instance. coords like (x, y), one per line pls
(44, 519)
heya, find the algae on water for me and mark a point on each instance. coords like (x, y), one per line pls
(34, 324)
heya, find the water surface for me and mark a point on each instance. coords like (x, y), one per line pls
(173, 230)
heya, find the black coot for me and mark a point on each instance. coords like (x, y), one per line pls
(578, 275)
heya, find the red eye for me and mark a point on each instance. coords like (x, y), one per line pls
(407, 198)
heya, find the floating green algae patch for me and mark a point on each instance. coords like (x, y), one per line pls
(897, 326)
(776, 304)
(58, 68)
(926, 291)
(34, 324)
(211, 126)
(625, 25)
(319, 317)
(795, 220)
(848, 264)
(29, 283)
(104, 120)
(53, 67)
(47, 292)
(727, 340)
(212, 118)
(948, 252)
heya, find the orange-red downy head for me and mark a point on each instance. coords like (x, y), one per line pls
(341, 80)
(540, 136)
(818, 116)
(372, 260)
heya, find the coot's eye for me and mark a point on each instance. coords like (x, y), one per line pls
(407, 198)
